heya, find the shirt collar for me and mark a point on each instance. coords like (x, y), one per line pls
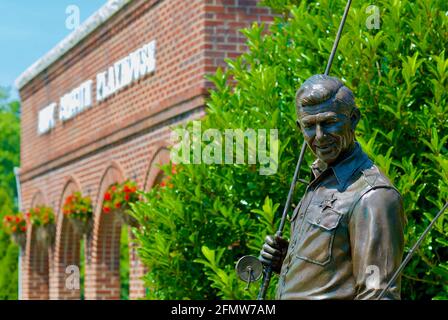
(346, 168)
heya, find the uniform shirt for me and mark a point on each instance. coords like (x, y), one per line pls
(346, 234)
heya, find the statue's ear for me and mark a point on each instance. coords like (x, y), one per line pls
(355, 117)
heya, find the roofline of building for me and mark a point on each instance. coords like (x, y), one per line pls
(91, 24)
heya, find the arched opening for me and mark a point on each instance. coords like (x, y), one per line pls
(154, 175)
(103, 273)
(35, 262)
(69, 257)
(109, 276)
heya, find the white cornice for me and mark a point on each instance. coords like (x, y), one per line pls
(91, 24)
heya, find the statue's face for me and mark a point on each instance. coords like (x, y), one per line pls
(328, 129)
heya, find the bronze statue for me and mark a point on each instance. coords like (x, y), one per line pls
(347, 231)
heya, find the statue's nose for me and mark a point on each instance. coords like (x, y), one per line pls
(319, 132)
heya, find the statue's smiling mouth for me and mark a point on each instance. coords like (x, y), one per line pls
(325, 147)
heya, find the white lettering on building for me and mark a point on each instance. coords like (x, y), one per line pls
(125, 71)
(119, 75)
(46, 119)
(75, 101)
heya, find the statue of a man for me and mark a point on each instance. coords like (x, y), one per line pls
(347, 231)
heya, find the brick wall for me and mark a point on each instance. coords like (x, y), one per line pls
(122, 137)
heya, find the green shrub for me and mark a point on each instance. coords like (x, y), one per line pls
(9, 253)
(193, 233)
(124, 263)
(9, 158)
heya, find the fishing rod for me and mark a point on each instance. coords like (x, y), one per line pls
(411, 252)
(249, 268)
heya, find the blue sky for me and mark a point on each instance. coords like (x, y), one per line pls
(30, 28)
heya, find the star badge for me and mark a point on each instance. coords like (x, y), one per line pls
(328, 203)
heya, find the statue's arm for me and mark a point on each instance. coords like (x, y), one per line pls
(376, 229)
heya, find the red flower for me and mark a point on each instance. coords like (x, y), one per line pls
(107, 196)
(117, 204)
(23, 228)
(133, 189)
(126, 188)
(173, 169)
(8, 218)
(113, 188)
(163, 184)
(127, 197)
(106, 209)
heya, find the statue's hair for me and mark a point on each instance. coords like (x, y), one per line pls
(320, 88)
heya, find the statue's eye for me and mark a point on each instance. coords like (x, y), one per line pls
(330, 121)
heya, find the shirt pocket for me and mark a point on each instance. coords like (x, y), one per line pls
(319, 231)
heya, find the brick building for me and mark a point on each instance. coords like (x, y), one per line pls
(97, 109)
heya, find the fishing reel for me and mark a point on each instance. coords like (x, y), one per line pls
(249, 269)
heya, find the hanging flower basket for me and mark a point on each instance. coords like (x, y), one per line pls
(125, 217)
(20, 239)
(82, 227)
(15, 225)
(43, 222)
(45, 235)
(78, 210)
(117, 199)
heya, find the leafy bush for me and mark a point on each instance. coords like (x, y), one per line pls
(9, 158)
(124, 263)
(193, 233)
(9, 268)
(9, 253)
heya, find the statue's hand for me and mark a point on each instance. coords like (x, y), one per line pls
(274, 252)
